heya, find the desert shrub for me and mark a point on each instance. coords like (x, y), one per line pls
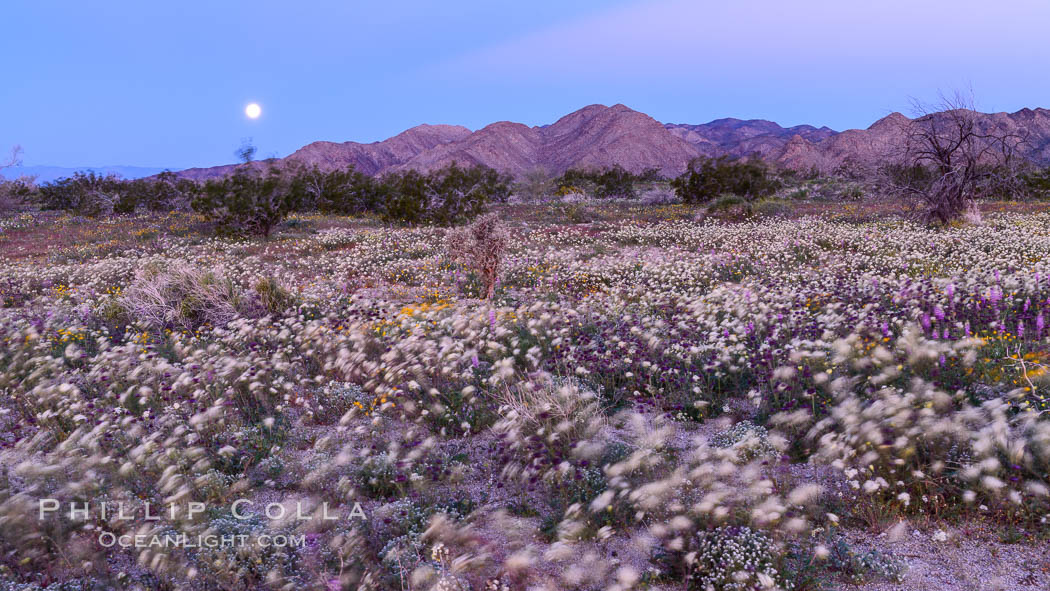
(181, 296)
(15, 193)
(342, 191)
(446, 196)
(862, 566)
(249, 201)
(162, 193)
(749, 440)
(732, 558)
(87, 194)
(95, 195)
(1037, 183)
(658, 196)
(546, 432)
(708, 178)
(611, 182)
(916, 177)
(480, 247)
(731, 206)
(273, 296)
(958, 160)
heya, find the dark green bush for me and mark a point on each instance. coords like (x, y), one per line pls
(1037, 183)
(164, 192)
(95, 195)
(15, 193)
(346, 191)
(254, 200)
(708, 178)
(249, 201)
(611, 182)
(447, 196)
(915, 177)
(87, 193)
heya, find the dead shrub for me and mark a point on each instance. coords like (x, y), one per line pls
(480, 246)
(181, 296)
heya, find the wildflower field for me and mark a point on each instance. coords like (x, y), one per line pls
(647, 401)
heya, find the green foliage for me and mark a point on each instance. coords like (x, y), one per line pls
(249, 201)
(863, 566)
(88, 193)
(164, 192)
(274, 297)
(708, 178)
(344, 191)
(409, 197)
(748, 439)
(611, 182)
(727, 558)
(16, 192)
(1037, 183)
(916, 177)
(95, 195)
(447, 196)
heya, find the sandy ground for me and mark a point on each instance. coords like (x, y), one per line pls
(961, 563)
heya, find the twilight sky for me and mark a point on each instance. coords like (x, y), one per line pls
(164, 84)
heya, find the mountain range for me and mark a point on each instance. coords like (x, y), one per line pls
(598, 136)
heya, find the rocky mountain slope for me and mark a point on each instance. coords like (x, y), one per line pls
(597, 136)
(885, 138)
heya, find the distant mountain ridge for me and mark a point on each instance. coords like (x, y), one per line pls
(598, 136)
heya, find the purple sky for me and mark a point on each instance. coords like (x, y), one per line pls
(165, 84)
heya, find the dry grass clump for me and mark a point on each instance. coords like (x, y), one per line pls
(181, 296)
(549, 432)
(185, 297)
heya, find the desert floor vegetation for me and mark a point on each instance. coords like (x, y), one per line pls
(620, 397)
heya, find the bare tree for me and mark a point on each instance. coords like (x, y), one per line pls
(950, 157)
(14, 159)
(12, 192)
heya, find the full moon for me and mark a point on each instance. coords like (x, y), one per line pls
(253, 111)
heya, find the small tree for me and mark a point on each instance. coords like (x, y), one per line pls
(408, 201)
(89, 194)
(708, 178)
(338, 191)
(249, 201)
(162, 193)
(949, 159)
(458, 194)
(480, 246)
(610, 182)
(246, 152)
(446, 196)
